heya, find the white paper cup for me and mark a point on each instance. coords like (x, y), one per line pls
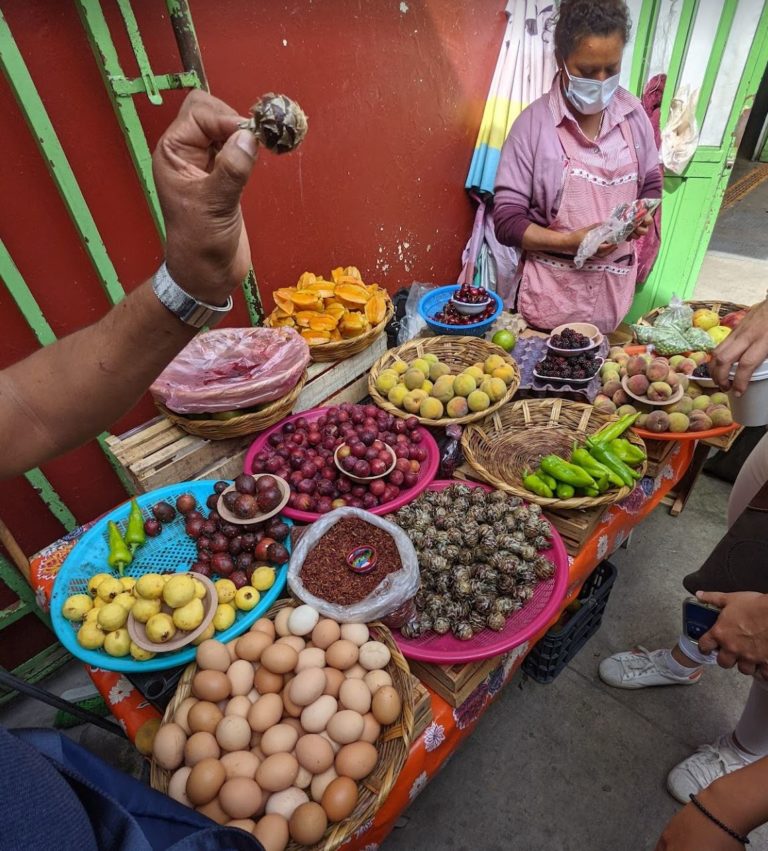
(751, 409)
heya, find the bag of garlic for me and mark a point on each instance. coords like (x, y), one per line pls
(354, 566)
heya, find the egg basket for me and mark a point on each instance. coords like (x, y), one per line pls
(458, 353)
(503, 445)
(172, 551)
(721, 308)
(238, 426)
(342, 349)
(393, 743)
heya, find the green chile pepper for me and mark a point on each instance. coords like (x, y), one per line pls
(565, 491)
(591, 492)
(608, 459)
(628, 452)
(134, 534)
(563, 471)
(535, 485)
(548, 480)
(119, 554)
(613, 430)
(597, 470)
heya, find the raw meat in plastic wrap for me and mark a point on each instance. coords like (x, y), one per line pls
(624, 219)
(232, 368)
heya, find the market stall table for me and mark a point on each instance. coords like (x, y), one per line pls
(449, 725)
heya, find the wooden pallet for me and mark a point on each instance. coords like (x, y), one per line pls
(159, 453)
(454, 683)
(574, 525)
(658, 454)
(422, 707)
(725, 441)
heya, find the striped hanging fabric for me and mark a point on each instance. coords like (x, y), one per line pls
(524, 71)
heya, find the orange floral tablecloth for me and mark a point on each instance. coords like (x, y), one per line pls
(449, 726)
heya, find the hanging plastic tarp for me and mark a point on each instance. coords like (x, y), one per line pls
(524, 71)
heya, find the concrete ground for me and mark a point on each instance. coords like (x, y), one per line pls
(574, 765)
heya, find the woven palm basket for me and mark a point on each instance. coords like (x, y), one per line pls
(393, 743)
(241, 425)
(503, 445)
(721, 308)
(456, 352)
(343, 349)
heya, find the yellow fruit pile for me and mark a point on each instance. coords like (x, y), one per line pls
(709, 321)
(231, 598)
(103, 610)
(427, 388)
(329, 311)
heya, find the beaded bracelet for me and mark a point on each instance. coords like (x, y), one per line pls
(702, 809)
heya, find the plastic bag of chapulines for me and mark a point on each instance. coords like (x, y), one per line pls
(623, 220)
(394, 591)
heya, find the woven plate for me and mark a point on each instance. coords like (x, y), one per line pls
(721, 308)
(393, 744)
(505, 443)
(458, 353)
(239, 426)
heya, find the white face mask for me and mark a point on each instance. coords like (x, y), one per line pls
(590, 96)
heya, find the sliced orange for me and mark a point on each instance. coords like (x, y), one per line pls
(315, 338)
(283, 299)
(353, 296)
(306, 279)
(376, 309)
(305, 299)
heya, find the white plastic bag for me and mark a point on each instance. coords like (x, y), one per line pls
(412, 324)
(391, 594)
(680, 136)
(623, 220)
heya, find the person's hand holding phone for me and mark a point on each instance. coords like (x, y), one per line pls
(741, 633)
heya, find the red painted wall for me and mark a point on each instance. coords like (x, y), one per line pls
(394, 92)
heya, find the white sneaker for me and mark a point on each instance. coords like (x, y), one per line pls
(705, 766)
(641, 668)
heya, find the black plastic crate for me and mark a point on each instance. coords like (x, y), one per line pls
(558, 646)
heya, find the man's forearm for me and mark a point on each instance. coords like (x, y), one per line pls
(739, 798)
(70, 391)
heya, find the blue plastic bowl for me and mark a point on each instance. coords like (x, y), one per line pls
(435, 300)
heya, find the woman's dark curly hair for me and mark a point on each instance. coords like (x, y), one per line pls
(580, 18)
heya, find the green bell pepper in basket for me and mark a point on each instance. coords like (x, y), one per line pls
(563, 471)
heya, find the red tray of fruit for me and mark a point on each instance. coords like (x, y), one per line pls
(685, 435)
(321, 431)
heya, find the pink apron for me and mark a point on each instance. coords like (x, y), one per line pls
(552, 290)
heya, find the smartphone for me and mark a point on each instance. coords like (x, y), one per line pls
(698, 618)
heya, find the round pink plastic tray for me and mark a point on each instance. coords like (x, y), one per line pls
(426, 473)
(522, 625)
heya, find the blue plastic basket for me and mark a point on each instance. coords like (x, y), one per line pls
(435, 300)
(171, 551)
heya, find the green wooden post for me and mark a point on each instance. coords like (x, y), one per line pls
(104, 52)
(31, 105)
(645, 29)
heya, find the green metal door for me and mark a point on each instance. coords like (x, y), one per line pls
(721, 48)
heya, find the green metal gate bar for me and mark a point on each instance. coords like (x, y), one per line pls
(24, 299)
(645, 28)
(28, 99)
(679, 51)
(715, 58)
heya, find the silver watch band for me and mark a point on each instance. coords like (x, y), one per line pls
(188, 309)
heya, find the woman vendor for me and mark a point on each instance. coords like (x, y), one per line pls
(570, 158)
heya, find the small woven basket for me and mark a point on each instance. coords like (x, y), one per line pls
(393, 743)
(342, 349)
(505, 443)
(239, 426)
(456, 352)
(721, 308)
